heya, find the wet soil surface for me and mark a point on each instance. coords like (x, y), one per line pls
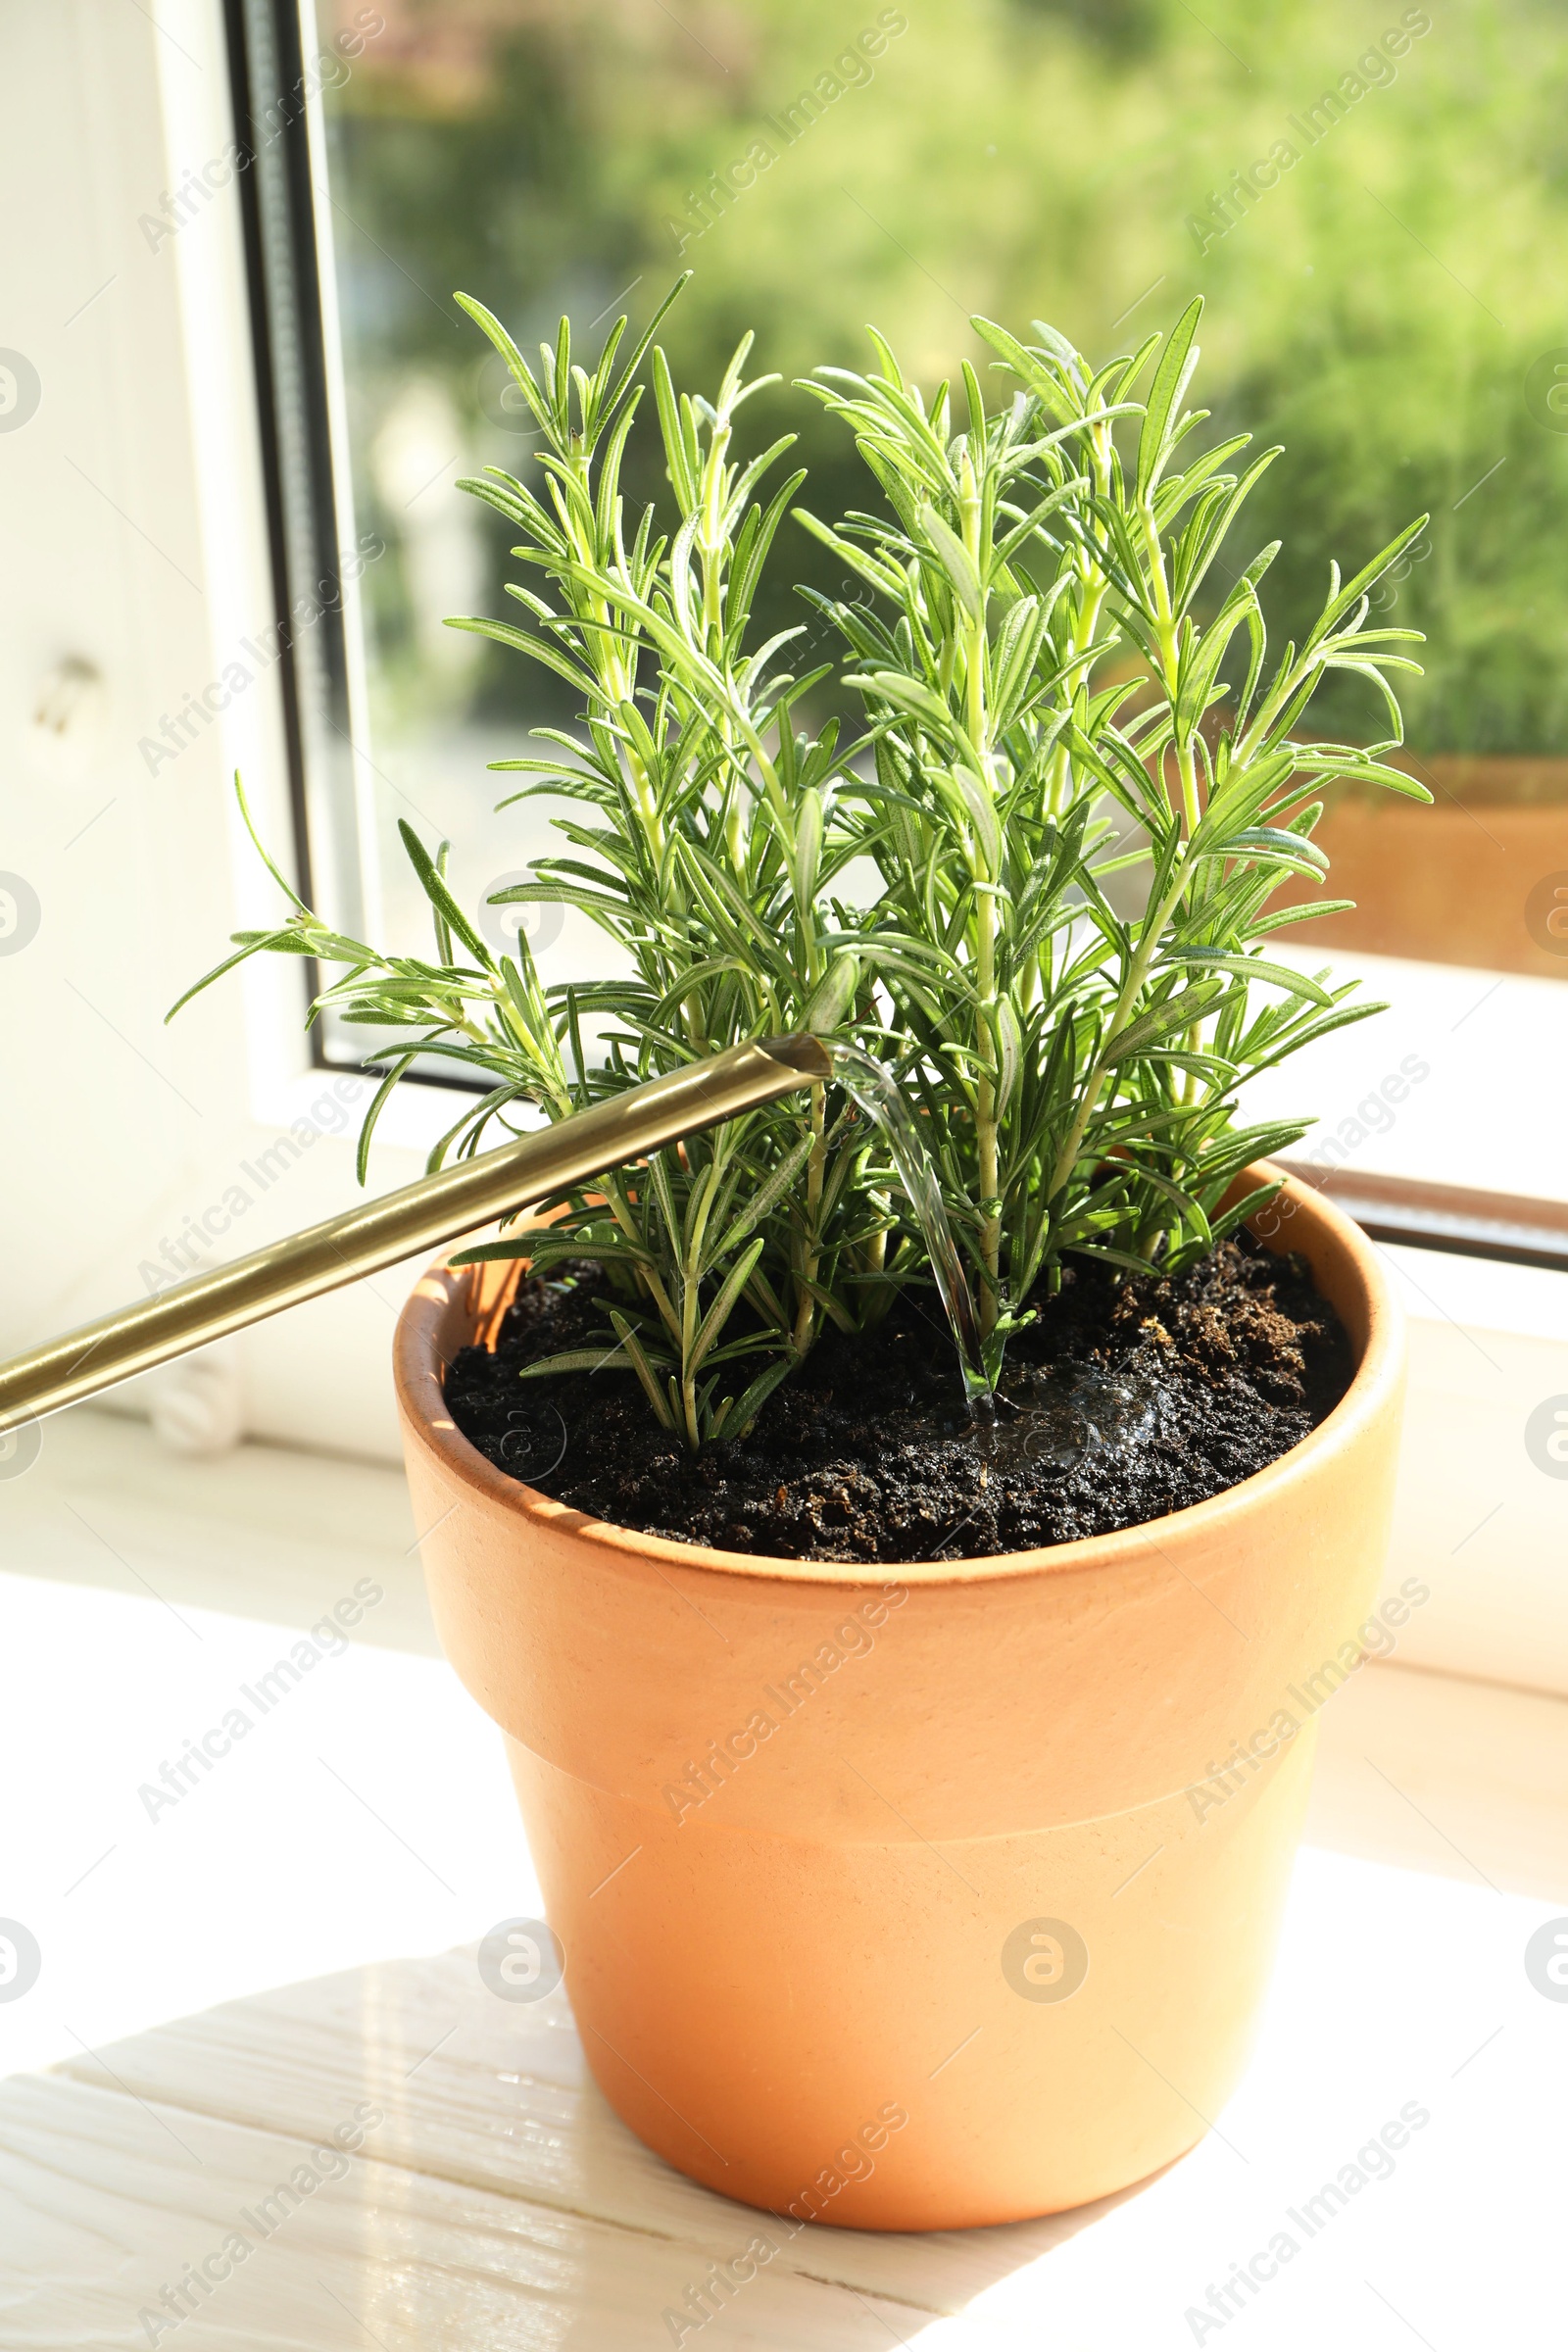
(1127, 1397)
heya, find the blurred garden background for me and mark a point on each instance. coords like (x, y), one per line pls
(1371, 198)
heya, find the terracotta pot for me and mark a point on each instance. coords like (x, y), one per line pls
(920, 1898)
(1473, 880)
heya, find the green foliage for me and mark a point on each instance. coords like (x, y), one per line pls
(1378, 310)
(1079, 1068)
(1050, 725)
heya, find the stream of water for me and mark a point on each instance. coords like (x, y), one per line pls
(1052, 1417)
(871, 1089)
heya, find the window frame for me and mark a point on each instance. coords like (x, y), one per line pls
(306, 480)
(288, 258)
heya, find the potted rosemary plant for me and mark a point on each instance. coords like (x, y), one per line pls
(913, 1774)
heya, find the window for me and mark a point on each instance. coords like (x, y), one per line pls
(538, 155)
(1384, 319)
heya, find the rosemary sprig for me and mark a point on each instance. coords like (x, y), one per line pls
(1058, 699)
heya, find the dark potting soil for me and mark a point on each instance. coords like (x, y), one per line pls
(1127, 1397)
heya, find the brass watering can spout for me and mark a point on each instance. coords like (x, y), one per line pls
(454, 1201)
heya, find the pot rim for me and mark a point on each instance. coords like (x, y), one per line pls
(1376, 1377)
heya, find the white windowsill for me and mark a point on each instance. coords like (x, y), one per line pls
(370, 1816)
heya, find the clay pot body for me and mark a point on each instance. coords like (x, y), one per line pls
(927, 1896)
(1479, 879)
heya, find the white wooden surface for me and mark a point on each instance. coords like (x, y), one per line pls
(496, 2203)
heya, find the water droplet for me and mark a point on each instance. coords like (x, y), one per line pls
(1056, 1417)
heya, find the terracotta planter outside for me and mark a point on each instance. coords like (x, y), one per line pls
(1480, 878)
(933, 1896)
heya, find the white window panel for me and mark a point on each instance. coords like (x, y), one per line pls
(136, 577)
(138, 571)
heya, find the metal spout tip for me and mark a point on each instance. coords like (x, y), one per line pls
(800, 1050)
(612, 1133)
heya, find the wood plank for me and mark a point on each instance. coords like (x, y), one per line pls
(1394, 1989)
(497, 2096)
(500, 2205)
(110, 2202)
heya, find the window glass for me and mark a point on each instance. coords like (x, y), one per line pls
(1370, 201)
